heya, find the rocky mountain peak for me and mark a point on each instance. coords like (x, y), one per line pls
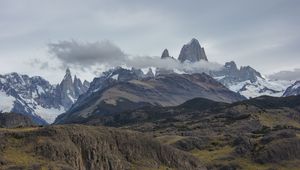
(165, 54)
(194, 41)
(70, 90)
(86, 84)
(68, 75)
(150, 73)
(231, 65)
(192, 52)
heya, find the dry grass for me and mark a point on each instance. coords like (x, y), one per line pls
(169, 139)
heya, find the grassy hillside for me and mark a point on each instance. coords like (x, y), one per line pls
(85, 147)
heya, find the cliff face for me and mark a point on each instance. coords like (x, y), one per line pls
(85, 147)
(192, 52)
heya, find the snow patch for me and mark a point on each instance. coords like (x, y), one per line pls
(48, 114)
(40, 90)
(3, 81)
(116, 77)
(71, 98)
(178, 71)
(6, 102)
(145, 70)
(219, 78)
(153, 70)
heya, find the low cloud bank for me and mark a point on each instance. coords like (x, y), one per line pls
(286, 75)
(105, 53)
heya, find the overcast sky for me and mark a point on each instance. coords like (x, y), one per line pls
(261, 33)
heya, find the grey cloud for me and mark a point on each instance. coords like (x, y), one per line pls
(43, 65)
(107, 54)
(286, 75)
(262, 34)
(87, 54)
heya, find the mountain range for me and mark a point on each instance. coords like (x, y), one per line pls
(244, 80)
(36, 97)
(152, 118)
(121, 89)
(125, 88)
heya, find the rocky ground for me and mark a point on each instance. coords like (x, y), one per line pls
(12, 120)
(262, 133)
(72, 147)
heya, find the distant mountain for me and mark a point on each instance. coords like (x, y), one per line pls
(293, 90)
(121, 89)
(244, 80)
(165, 54)
(36, 97)
(192, 52)
(248, 82)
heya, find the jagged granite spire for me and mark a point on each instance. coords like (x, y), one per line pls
(67, 90)
(150, 73)
(165, 54)
(68, 75)
(192, 52)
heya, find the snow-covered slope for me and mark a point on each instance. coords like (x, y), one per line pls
(36, 97)
(249, 82)
(260, 87)
(293, 90)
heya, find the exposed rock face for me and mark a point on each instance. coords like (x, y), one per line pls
(107, 95)
(192, 52)
(36, 97)
(232, 74)
(69, 90)
(12, 120)
(93, 148)
(165, 54)
(293, 90)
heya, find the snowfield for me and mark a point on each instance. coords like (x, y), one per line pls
(261, 87)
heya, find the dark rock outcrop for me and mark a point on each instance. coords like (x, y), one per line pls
(192, 52)
(165, 54)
